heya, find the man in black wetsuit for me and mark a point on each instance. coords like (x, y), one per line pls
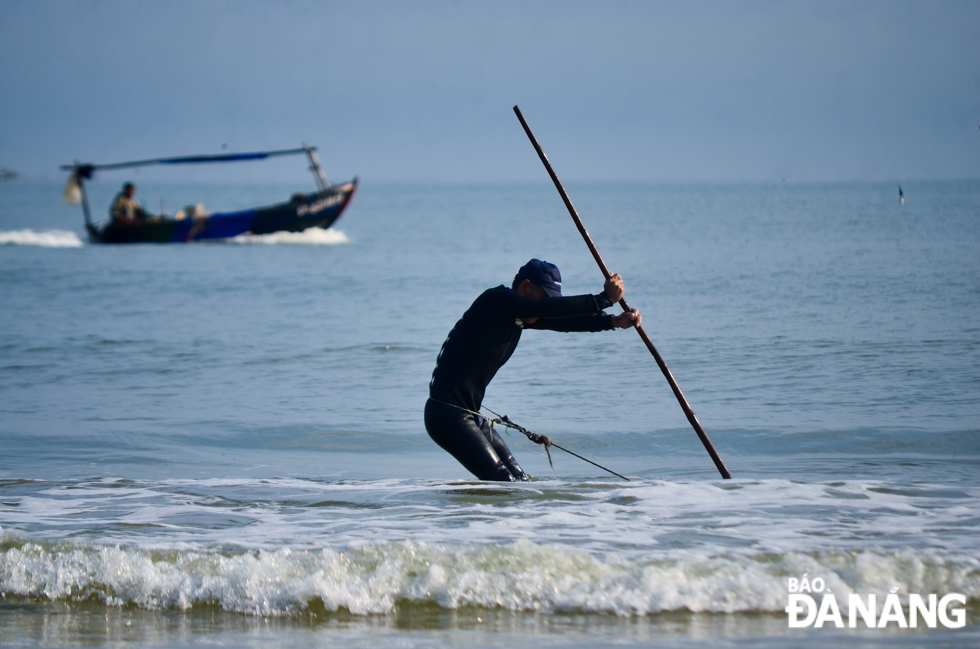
(483, 340)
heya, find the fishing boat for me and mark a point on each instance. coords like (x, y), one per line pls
(302, 211)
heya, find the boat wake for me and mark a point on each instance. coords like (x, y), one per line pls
(310, 236)
(45, 238)
(67, 239)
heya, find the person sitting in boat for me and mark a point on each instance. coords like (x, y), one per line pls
(124, 208)
(483, 340)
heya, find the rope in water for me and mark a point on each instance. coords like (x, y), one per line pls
(544, 440)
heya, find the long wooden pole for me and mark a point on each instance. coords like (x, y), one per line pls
(691, 417)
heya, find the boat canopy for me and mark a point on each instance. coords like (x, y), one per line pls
(85, 169)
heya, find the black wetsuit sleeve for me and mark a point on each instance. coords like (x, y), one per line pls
(516, 306)
(602, 322)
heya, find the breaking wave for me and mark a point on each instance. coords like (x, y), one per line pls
(310, 236)
(45, 238)
(522, 577)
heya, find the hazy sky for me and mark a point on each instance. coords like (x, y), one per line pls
(423, 90)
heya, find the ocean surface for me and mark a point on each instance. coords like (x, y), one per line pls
(222, 443)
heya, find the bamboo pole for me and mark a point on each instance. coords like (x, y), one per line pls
(685, 406)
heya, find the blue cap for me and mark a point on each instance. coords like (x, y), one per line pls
(541, 273)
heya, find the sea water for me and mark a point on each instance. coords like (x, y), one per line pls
(222, 443)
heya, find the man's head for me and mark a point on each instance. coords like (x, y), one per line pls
(541, 274)
(129, 189)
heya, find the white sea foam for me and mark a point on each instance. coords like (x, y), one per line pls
(631, 520)
(278, 547)
(310, 236)
(524, 576)
(44, 238)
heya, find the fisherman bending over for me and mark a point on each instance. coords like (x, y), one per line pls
(483, 340)
(124, 208)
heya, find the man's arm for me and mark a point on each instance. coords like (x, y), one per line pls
(601, 322)
(570, 307)
(114, 209)
(558, 307)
